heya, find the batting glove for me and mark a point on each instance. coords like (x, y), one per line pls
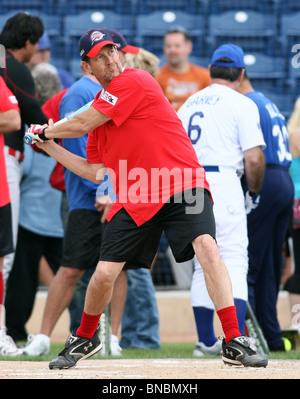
(37, 133)
(251, 201)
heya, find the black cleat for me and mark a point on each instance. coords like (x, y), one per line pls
(76, 348)
(239, 353)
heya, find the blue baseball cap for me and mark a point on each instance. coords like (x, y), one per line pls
(121, 42)
(44, 42)
(92, 42)
(230, 51)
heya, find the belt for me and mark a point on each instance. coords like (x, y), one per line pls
(216, 168)
(211, 168)
(14, 153)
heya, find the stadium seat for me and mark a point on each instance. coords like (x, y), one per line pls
(77, 6)
(46, 6)
(293, 66)
(283, 101)
(264, 6)
(75, 68)
(51, 22)
(191, 6)
(252, 30)
(265, 71)
(58, 62)
(289, 33)
(288, 6)
(76, 25)
(150, 29)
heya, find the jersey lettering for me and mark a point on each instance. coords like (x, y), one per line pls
(194, 129)
(282, 134)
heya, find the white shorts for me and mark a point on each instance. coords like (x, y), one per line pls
(231, 236)
(14, 176)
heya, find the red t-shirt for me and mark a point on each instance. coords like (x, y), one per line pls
(143, 146)
(7, 102)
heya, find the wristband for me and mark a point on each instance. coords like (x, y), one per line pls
(43, 136)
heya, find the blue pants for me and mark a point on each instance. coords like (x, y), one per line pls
(140, 322)
(267, 227)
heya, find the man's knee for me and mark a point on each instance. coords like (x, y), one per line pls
(107, 272)
(69, 273)
(206, 249)
(205, 242)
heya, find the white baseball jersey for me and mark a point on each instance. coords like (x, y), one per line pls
(222, 124)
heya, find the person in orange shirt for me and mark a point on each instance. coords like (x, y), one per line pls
(180, 78)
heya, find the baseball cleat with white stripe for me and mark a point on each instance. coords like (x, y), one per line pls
(239, 353)
(76, 348)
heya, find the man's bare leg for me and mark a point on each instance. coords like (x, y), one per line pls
(59, 297)
(117, 305)
(217, 279)
(100, 289)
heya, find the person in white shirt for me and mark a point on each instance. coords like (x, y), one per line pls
(224, 128)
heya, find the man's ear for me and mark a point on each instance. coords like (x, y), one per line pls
(85, 66)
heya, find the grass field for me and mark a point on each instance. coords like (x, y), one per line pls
(167, 351)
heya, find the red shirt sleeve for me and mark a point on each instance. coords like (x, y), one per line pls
(7, 100)
(93, 154)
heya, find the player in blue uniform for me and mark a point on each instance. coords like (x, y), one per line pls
(268, 222)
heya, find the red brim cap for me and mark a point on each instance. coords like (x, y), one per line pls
(130, 49)
(95, 50)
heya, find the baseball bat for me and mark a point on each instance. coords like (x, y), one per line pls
(28, 138)
(255, 331)
(105, 331)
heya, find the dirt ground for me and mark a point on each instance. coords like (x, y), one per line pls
(162, 369)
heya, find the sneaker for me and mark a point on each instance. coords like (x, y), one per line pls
(239, 353)
(8, 346)
(76, 348)
(115, 349)
(201, 349)
(37, 345)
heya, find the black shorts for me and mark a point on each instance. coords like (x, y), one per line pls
(181, 221)
(82, 239)
(6, 238)
(31, 247)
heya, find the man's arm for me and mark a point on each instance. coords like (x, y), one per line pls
(76, 164)
(254, 168)
(78, 126)
(10, 121)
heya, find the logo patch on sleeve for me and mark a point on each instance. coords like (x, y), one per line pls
(108, 97)
(13, 100)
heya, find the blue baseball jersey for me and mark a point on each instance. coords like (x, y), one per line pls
(274, 128)
(81, 193)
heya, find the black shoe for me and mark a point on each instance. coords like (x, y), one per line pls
(76, 348)
(238, 353)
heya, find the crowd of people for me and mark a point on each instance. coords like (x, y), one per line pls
(68, 221)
